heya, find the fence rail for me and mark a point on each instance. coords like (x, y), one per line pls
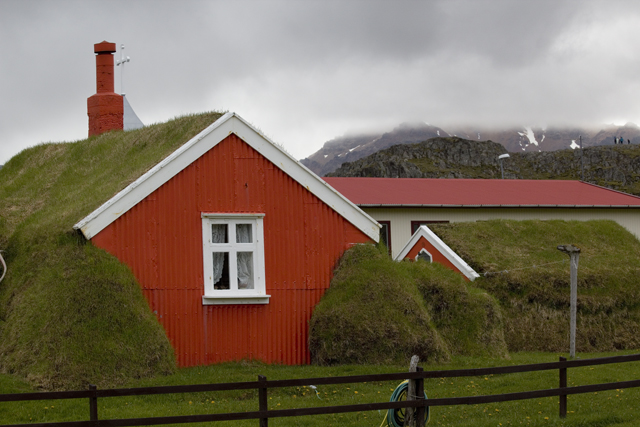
(263, 385)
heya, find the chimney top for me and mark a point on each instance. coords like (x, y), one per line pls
(105, 108)
(104, 47)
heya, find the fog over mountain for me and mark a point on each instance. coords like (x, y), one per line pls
(352, 147)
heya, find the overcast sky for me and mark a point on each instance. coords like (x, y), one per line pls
(305, 72)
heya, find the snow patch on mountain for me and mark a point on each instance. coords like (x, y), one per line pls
(528, 132)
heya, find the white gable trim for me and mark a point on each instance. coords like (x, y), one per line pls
(230, 123)
(442, 247)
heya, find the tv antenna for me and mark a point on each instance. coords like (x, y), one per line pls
(122, 60)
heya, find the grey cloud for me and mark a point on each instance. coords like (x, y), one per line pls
(509, 33)
(303, 70)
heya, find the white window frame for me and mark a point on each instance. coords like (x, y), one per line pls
(424, 251)
(258, 294)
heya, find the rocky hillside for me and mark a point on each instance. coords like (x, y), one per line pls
(520, 140)
(351, 148)
(614, 166)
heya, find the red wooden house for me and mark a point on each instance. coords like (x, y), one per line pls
(233, 243)
(424, 244)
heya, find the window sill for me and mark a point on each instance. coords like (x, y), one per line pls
(235, 299)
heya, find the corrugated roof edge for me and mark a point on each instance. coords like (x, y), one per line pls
(365, 205)
(609, 189)
(135, 192)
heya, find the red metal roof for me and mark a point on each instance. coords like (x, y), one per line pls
(478, 192)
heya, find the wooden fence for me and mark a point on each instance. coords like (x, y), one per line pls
(263, 414)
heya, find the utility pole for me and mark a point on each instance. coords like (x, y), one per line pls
(574, 255)
(581, 161)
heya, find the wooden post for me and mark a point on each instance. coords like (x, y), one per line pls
(419, 411)
(574, 254)
(563, 383)
(262, 400)
(409, 419)
(93, 403)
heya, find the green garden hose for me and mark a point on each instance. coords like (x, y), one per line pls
(395, 417)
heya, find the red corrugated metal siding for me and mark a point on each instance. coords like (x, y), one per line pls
(161, 240)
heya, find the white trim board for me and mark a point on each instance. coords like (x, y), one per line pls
(230, 123)
(442, 247)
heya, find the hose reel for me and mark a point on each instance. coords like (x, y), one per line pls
(395, 417)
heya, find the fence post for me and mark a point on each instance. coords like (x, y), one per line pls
(93, 403)
(419, 411)
(262, 399)
(563, 383)
(409, 418)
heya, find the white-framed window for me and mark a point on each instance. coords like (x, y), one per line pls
(233, 251)
(424, 255)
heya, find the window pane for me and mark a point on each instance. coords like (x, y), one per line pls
(424, 256)
(243, 233)
(219, 233)
(221, 270)
(245, 270)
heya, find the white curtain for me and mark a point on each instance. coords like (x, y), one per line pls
(218, 235)
(245, 259)
(245, 270)
(243, 233)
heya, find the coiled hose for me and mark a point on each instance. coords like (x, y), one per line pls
(4, 267)
(395, 417)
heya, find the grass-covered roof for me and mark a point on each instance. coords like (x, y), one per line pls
(379, 311)
(70, 313)
(524, 270)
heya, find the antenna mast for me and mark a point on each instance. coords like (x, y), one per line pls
(122, 60)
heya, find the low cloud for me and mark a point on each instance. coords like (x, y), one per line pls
(305, 72)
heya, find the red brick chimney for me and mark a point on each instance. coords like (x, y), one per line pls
(105, 108)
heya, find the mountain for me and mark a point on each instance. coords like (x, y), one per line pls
(350, 148)
(354, 147)
(612, 166)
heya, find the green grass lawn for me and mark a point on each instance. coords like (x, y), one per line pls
(616, 407)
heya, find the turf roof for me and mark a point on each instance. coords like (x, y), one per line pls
(69, 312)
(63, 182)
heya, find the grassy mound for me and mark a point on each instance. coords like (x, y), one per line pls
(467, 318)
(381, 311)
(535, 300)
(71, 314)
